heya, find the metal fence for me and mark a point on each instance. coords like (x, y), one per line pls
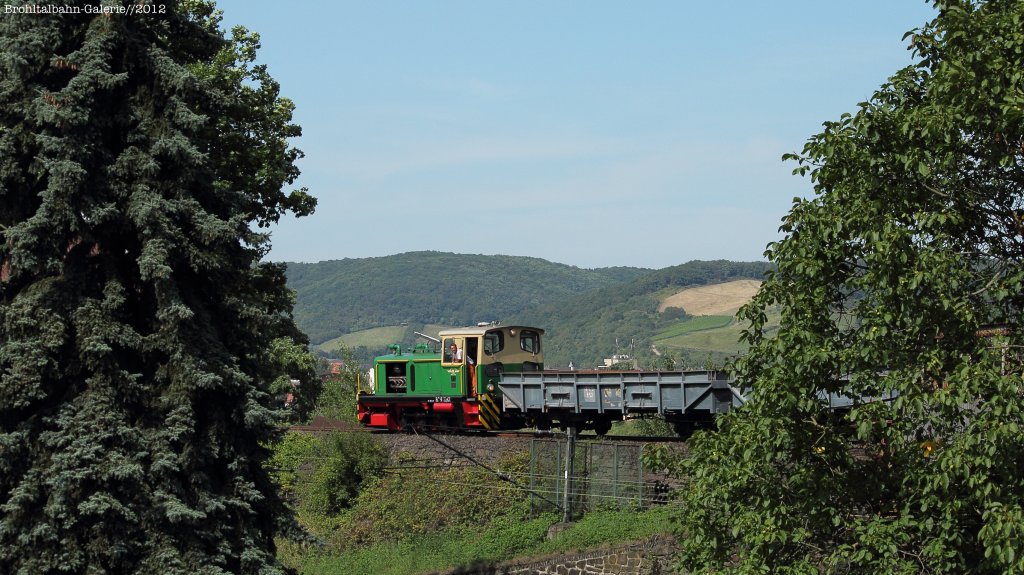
(603, 476)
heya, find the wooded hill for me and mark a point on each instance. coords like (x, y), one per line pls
(369, 302)
(343, 296)
(624, 318)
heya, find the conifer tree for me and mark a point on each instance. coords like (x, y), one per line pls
(142, 156)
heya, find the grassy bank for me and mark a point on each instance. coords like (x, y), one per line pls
(399, 513)
(501, 541)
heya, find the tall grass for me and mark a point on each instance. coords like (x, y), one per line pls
(501, 541)
(416, 513)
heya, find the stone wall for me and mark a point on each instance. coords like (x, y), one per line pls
(650, 557)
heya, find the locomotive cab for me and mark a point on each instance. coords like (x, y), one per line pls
(456, 386)
(485, 352)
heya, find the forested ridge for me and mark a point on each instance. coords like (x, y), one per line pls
(585, 311)
(340, 296)
(623, 317)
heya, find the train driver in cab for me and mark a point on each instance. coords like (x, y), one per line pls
(454, 354)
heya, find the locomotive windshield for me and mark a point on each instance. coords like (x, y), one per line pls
(529, 341)
(494, 341)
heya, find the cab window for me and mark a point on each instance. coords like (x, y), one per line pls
(494, 341)
(452, 352)
(529, 341)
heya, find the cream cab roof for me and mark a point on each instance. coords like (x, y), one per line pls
(480, 330)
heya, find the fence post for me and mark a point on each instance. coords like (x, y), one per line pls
(570, 448)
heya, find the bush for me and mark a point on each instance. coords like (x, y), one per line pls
(343, 461)
(411, 501)
(322, 476)
(337, 399)
(292, 454)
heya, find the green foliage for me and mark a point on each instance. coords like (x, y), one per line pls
(293, 456)
(701, 323)
(435, 551)
(583, 311)
(343, 296)
(337, 401)
(423, 515)
(504, 538)
(912, 244)
(139, 159)
(674, 314)
(723, 341)
(666, 361)
(338, 396)
(340, 464)
(322, 476)
(429, 504)
(298, 378)
(585, 328)
(416, 500)
(654, 425)
(602, 527)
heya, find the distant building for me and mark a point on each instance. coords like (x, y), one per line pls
(617, 359)
(289, 398)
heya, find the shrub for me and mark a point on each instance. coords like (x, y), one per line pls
(341, 463)
(411, 501)
(293, 453)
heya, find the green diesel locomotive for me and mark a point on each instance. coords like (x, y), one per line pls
(454, 387)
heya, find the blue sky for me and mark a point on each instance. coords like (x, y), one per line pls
(594, 133)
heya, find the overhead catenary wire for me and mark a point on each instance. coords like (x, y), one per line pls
(535, 491)
(622, 490)
(622, 484)
(499, 474)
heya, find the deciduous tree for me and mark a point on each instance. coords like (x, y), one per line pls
(902, 274)
(141, 154)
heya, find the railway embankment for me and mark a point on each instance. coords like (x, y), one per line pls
(652, 556)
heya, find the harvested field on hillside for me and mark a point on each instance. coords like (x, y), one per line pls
(717, 299)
